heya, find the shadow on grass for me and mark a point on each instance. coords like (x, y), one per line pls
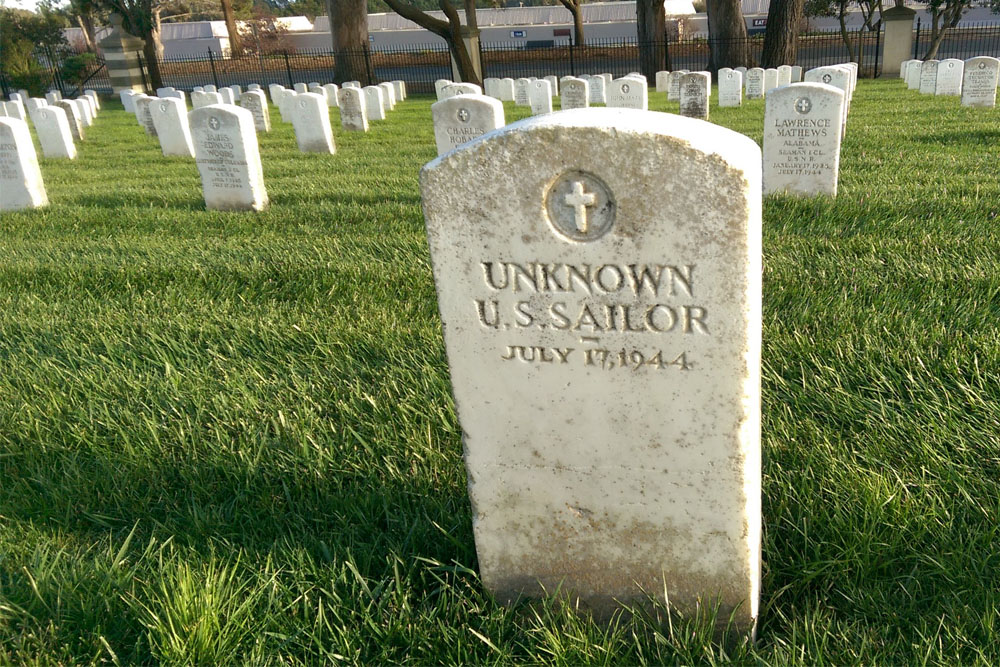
(117, 200)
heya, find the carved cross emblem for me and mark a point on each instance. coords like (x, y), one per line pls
(803, 105)
(214, 123)
(827, 78)
(580, 200)
(625, 88)
(463, 115)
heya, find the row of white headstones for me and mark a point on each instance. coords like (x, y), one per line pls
(974, 80)
(804, 121)
(221, 136)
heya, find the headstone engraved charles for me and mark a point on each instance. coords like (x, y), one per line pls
(802, 133)
(352, 110)
(730, 88)
(949, 77)
(628, 93)
(20, 178)
(643, 478)
(696, 87)
(311, 120)
(254, 102)
(462, 118)
(54, 135)
(755, 83)
(979, 82)
(575, 94)
(170, 117)
(225, 148)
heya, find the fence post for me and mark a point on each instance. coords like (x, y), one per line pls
(572, 61)
(211, 61)
(878, 49)
(288, 70)
(916, 41)
(368, 66)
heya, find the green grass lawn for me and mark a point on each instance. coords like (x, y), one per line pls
(229, 438)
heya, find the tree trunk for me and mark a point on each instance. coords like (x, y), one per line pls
(152, 52)
(450, 31)
(652, 29)
(844, 33)
(85, 20)
(781, 40)
(349, 29)
(947, 17)
(727, 35)
(577, 11)
(235, 48)
(470, 15)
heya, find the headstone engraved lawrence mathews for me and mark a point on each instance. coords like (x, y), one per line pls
(605, 353)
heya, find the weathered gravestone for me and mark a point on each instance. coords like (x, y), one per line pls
(949, 77)
(696, 88)
(275, 91)
(598, 90)
(913, 75)
(357, 84)
(73, 117)
(227, 96)
(662, 81)
(388, 95)
(439, 86)
(522, 88)
(462, 118)
(928, 76)
(311, 120)
(225, 148)
(553, 84)
(170, 116)
(374, 105)
(796, 73)
(92, 94)
(53, 131)
(14, 109)
(540, 97)
(301, 88)
(453, 89)
(83, 110)
(54, 96)
(506, 89)
(400, 86)
(332, 94)
(254, 102)
(575, 94)
(20, 178)
(674, 85)
(770, 80)
(730, 88)
(628, 93)
(210, 88)
(285, 102)
(352, 110)
(979, 83)
(755, 83)
(144, 114)
(802, 133)
(204, 99)
(784, 75)
(604, 352)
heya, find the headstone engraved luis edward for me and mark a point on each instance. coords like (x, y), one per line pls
(605, 354)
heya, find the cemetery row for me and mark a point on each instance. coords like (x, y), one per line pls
(974, 80)
(221, 136)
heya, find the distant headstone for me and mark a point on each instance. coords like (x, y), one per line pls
(598, 90)
(83, 110)
(643, 476)
(836, 76)
(755, 83)
(770, 80)
(237, 93)
(253, 86)
(696, 88)
(784, 75)
(730, 88)
(913, 75)
(802, 134)
(20, 178)
(540, 97)
(311, 120)
(928, 76)
(225, 148)
(144, 113)
(34, 103)
(553, 84)
(227, 95)
(628, 93)
(388, 95)
(439, 86)
(275, 91)
(198, 89)
(92, 94)
(164, 91)
(463, 118)
(210, 88)
(796, 73)
(53, 96)
(575, 94)
(75, 126)
(979, 84)
(674, 85)
(287, 99)
(662, 81)
(373, 103)
(14, 109)
(170, 116)
(490, 87)
(54, 134)
(506, 89)
(332, 94)
(522, 88)
(453, 89)
(352, 110)
(301, 88)
(125, 96)
(352, 84)
(949, 77)
(400, 86)
(254, 102)
(199, 100)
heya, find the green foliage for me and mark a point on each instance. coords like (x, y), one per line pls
(75, 68)
(228, 438)
(21, 35)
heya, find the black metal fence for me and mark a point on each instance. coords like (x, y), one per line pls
(963, 42)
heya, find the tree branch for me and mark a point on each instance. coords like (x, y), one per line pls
(426, 21)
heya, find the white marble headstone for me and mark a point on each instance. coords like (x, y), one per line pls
(311, 120)
(696, 89)
(598, 90)
(462, 118)
(575, 93)
(255, 102)
(949, 77)
(540, 97)
(628, 93)
(170, 116)
(802, 134)
(373, 103)
(353, 116)
(53, 131)
(928, 76)
(332, 93)
(20, 178)
(755, 83)
(225, 147)
(730, 88)
(979, 85)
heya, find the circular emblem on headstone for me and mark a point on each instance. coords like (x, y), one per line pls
(43, 114)
(580, 206)
(625, 88)
(827, 78)
(163, 106)
(214, 123)
(982, 65)
(302, 104)
(464, 115)
(803, 105)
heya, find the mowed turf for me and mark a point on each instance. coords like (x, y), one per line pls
(228, 438)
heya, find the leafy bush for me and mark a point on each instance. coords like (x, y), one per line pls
(76, 68)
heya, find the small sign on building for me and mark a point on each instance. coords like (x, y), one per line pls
(517, 34)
